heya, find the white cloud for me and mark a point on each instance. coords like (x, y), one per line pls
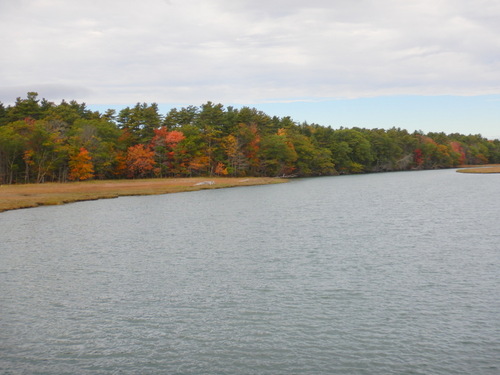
(242, 51)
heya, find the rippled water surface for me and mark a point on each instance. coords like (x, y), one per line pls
(377, 274)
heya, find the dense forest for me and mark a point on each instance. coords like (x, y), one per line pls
(42, 141)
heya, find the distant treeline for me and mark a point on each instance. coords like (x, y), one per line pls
(42, 141)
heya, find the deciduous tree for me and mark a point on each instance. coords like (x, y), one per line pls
(140, 161)
(80, 165)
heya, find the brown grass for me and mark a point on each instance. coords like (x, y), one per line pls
(32, 195)
(490, 168)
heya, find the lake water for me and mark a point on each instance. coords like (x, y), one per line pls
(394, 273)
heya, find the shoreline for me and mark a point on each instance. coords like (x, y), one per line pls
(14, 197)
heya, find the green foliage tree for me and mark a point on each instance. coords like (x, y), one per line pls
(25, 108)
(351, 150)
(46, 153)
(277, 155)
(312, 160)
(3, 115)
(494, 151)
(140, 121)
(12, 145)
(386, 152)
(179, 118)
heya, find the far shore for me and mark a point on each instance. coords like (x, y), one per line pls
(14, 197)
(488, 168)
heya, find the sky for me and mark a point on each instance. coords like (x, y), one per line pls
(429, 65)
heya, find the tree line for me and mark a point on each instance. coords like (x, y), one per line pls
(41, 141)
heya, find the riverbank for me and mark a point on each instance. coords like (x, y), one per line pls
(14, 197)
(490, 168)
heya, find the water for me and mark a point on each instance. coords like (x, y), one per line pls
(375, 274)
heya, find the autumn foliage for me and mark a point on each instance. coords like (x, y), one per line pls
(140, 161)
(169, 155)
(80, 166)
(41, 141)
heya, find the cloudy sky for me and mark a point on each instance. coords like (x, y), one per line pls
(431, 65)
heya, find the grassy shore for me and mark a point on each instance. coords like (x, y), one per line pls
(490, 168)
(32, 195)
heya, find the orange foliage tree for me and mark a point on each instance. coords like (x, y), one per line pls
(120, 164)
(140, 161)
(80, 166)
(221, 169)
(198, 165)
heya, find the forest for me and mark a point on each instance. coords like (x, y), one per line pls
(41, 141)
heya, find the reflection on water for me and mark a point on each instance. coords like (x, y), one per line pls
(387, 273)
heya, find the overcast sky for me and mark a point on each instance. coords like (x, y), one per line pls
(432, 65)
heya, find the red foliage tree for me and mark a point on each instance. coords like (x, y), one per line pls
(458, 148)
(169, 155)
(418, 157)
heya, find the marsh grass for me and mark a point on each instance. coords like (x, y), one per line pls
(492, 168)
(32, 195)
